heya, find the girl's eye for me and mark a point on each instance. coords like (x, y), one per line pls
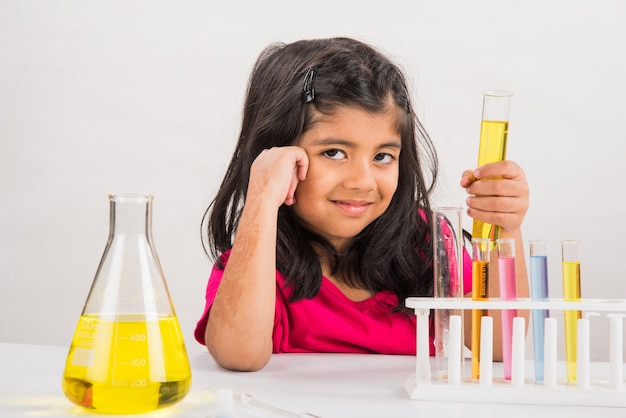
(334, 154)
(384, 158)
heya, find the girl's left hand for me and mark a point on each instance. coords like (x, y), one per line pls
(498, 194)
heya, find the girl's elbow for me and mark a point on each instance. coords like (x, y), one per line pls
(231, 351)
(237, 356)
(239, 360)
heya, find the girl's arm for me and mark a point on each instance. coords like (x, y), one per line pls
(499, 196)
(241, 319)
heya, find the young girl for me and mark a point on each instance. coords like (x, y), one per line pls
(320, 228)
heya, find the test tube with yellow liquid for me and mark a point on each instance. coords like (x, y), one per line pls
(571, 292)
(494, 130)
(480, 291)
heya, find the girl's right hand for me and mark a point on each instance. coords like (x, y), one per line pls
(275, 174)
(241, 320)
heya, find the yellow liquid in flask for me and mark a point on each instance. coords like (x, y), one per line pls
(126, 365)
(492, 148)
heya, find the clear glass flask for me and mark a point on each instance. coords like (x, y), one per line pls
(448, 279)
(128, 354)
(494, 130)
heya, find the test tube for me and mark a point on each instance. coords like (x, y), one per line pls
(571, 292)
(508, 291)
(539, 291)
(448, 279)
(247, 404)
(224, 404)
(494, 130)
(480, 291)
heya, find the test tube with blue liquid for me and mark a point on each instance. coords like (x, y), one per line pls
(539, 291)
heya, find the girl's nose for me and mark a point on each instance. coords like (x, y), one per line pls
(360, 176)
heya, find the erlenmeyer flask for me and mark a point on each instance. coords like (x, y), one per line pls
(128, 354)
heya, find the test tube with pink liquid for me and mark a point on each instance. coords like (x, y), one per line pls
(508, 291)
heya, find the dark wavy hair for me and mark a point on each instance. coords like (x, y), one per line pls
(394, 252)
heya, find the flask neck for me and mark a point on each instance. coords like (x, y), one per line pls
(130, 214)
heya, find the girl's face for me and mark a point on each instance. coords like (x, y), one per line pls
(352, 174)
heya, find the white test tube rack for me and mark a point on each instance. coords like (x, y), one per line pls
(490, 388)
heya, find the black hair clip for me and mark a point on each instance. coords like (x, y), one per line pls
(308, 91)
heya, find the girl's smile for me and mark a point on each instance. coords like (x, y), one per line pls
(352, 207)
(352, 174)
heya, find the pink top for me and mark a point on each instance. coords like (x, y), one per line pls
(330, 322)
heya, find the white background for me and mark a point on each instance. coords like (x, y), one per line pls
(146, 96)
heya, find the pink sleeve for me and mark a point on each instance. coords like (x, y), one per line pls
(280, 331)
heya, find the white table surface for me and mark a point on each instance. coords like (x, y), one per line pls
(326, 385)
